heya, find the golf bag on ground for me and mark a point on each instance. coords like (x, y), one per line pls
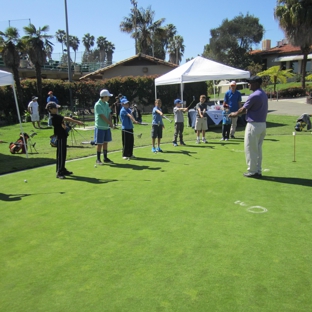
(19, 146)
(53, 138)
(302, 121)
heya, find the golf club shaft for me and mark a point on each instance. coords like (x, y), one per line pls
(167, 118)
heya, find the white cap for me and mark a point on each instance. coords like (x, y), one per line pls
(105, 92)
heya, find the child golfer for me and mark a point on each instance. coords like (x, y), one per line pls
(178, 122)
(157, 126)
(103, 122)
(127, 137)
(226, 122)
(58, 122)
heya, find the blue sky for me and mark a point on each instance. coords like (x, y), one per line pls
(193, 19)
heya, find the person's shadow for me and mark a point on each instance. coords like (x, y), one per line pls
(90, 180)
(12, 197)
(295, 181)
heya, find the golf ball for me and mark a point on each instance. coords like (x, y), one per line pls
(95, 166)
(25, 181)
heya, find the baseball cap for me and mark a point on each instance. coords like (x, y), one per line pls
(34, 98)
(124, 101)
(255, 79)
(177, 101)
(105, 92)
(233, 83)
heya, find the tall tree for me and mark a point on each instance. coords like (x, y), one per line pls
(232, 41)
(60, 36)
(74, 44)
(37, 40)
(145, 29)
(88, 42)
(176, 49)
(110, 47)
(101, 43)
(295, 18)
(10, 46)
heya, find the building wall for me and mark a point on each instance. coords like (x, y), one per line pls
(140, 70)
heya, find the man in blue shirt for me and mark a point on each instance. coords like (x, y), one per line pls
(233, 98)
(52, 98)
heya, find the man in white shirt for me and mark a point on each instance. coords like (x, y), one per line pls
(33, 108)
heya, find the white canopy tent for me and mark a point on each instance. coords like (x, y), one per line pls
(199, 69)
(6, 79)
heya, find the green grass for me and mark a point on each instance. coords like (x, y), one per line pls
(166, 232)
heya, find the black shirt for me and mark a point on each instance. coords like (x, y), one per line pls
(59, 125)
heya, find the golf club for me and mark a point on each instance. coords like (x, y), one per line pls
(191, 102)
(167, 118)
(139, 135)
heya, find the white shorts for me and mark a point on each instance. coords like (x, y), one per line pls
(201, 124)
(35, 117)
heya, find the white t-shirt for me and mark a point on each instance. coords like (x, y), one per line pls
(34, 107)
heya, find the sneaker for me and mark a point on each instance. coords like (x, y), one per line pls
(250, 175)
(222, 139)
(154, 150)
(132, 157)
(98, 162)
(232, 137)
(197, 141)
(59, 176)
(159, 150)
(182, 143)
(108, 161)
(175, 143)
(126, 158)
(204, 140)
(226, 139)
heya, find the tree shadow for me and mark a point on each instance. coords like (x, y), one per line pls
(274, 124)
(288, 180)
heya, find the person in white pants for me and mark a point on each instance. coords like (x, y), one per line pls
(256, 109)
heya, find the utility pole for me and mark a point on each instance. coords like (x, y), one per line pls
(68, 59)
(135, 4)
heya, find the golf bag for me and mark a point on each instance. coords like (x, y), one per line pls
(19, 146)
(302, 121)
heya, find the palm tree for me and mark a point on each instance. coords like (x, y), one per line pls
(10, 46)
(276, 74)
(110, 47)
(176, 49)
(88, 42)
(145, 28)
(37, 40)
(295, 18)
(101, 44)
(60, 36)
(74, 44)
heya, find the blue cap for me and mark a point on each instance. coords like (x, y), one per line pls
(177, 101)
(124, 101)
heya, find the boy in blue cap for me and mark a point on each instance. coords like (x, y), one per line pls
(157, 126)
(178, 122)
(127, 121)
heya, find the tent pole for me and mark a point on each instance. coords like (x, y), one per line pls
(20, 121)
(181, 91)
(155, 92)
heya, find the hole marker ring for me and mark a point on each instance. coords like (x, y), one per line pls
(257, 209)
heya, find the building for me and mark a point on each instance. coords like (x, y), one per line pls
(137, 65)
(284, 54)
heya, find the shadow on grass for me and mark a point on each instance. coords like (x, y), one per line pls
(89, 180)
(15, 197)
(151, 159)
(295, 181)
(274, 124)
(202, 145)
(134, 167)
(187, 153)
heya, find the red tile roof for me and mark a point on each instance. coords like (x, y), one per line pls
(284, 49)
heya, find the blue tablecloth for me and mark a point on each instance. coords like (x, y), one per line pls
(214, 117)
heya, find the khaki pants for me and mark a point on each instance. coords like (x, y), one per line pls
(233, 125)
(254, 136)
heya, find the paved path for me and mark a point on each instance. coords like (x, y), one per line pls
(293, 107)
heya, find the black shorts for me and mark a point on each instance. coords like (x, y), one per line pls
(156, 131)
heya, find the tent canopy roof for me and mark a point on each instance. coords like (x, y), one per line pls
(6, 78)
(201, 69)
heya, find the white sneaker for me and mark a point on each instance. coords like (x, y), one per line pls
(197, 141)
(204, 140)
(126, 158)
